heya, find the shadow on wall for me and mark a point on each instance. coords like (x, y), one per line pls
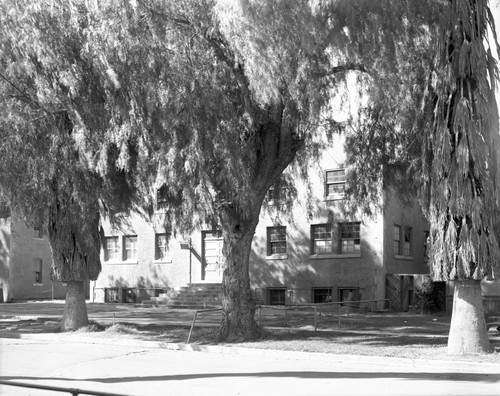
(143, 288)
(301, 273)
(4, 258)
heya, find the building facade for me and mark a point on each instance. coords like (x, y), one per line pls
(305, 250)
(25, 262)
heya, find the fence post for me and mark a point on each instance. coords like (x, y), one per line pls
(286, 316)
(260, 316)
(192, 325)
(315, 323)
(340, 308)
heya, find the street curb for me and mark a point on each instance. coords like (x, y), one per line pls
(461, 366)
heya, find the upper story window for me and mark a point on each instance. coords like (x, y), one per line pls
(426, 244)
(402, 240)
(130, 247)
(321, 239)
(350, 241)
(276, 240)
(161, 197)
(277, 194)
(38, 231)
(111, 248)
(335, 184)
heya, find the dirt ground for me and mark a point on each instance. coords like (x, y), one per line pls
(409, 335)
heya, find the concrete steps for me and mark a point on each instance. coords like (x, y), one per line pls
(197, 296)
(192, 296)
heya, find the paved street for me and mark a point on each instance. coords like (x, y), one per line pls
(137, 370)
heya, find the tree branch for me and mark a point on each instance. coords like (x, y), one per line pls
(344, 68)
(24, 94)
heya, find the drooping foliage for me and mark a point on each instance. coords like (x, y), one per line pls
(221, 95)
(461, 168)
(65, 155)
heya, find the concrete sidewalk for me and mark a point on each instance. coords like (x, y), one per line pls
(138, 370)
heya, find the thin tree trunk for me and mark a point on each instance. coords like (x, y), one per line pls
(75, 310)
(468, 332)
(238, 306)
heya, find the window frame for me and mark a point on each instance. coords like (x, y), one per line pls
(402, 241)
(38, 271)
(270, 242)
(282, 292)
(426, 245)
(159, 249)
(117, 248)
(335, 195)
(353, 238)
(125, 250)
(161, 197)
(314, 239)
(329, 293)
(38, 231)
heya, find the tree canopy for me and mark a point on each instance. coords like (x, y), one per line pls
(214, 99)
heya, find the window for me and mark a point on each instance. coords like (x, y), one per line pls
(162, 197)
(397, 239)
(321, 239)
(402, 240)
(335, 184)
(349, 294)
(277, 296)
(111, 248)
(276, 240)
(276, 194)
(129, 295)
(322, 295)
(426, 244)
(38, 270)
(111, 295)
(407, 241)
(130, 247)
(161, 246)
(38, 232)
(349, 237)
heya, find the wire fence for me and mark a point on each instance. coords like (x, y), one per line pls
(319, 310)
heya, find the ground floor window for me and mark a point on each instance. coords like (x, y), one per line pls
(130, 247)
(348, 293)
(111, 248)
(161, 246)
(277, 296)
(129, 295)
(322, 295)
(111, 295)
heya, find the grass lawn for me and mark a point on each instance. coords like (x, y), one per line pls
(396, 334)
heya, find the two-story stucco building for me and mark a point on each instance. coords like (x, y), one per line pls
(304, 250)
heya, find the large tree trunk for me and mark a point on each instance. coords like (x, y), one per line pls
(238, 306)
(75, 243)
(468, 332)
(75, 310)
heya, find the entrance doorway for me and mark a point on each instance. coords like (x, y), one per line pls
(213, 260)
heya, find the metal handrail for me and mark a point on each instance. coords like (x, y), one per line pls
(73, 391)
(199, 311)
